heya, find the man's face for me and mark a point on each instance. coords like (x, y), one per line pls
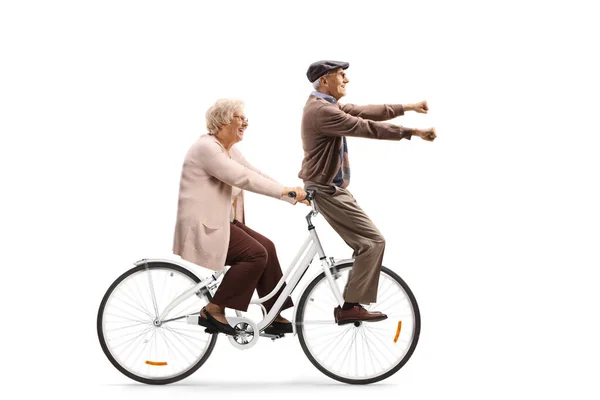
(336, 83)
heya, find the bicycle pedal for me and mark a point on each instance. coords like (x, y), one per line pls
(272, 337)
(196, 320)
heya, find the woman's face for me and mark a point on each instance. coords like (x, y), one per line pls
(234, 131)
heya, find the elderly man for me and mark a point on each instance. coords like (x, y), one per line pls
(326, 169)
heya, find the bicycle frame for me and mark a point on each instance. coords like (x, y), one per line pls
(311, 247)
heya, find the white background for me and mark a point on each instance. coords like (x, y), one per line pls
(495, 225)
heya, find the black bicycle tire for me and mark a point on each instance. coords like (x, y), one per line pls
(151, 265)
(409, 353)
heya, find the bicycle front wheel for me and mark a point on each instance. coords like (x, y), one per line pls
(360, 352)
(146, 351)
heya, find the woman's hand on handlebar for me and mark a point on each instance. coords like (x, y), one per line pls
(296, 192)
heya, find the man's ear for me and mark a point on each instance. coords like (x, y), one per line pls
(323, 81)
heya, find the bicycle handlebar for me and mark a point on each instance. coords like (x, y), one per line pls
(310, 194)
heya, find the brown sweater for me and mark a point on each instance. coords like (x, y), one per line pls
(325, 124)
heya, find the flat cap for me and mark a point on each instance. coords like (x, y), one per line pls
(320, 68)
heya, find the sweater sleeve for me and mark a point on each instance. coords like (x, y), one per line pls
(382, 112)
(217, 164)
(332, 121)
(243, 161)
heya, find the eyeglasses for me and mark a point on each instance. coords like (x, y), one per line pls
(242, 118)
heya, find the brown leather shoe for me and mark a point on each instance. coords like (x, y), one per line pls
(356, 313)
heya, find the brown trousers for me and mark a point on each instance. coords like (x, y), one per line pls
(342, 212)
(254, 265)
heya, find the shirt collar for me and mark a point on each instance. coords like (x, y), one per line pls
(324, 96)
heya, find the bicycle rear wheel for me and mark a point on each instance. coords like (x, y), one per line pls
(363, 352)
(142, 350)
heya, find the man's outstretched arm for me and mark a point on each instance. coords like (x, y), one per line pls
(332, 121)
(384, 112)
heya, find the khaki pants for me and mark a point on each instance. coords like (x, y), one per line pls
(340, 210)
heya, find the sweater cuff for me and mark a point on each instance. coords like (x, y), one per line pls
(398, 109)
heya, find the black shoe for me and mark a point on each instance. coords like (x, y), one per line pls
(206, 323)
(279, 328)
(219, 326)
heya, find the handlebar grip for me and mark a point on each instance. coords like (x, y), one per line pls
(292, 194)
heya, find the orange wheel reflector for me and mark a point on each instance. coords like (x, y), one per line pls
(157, 363)
(398, 331)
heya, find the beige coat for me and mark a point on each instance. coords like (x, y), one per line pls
(204, 206)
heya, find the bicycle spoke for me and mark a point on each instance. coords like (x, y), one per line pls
(375, 346)
(172, 326)
(369, 352)
(130, 350)
(126, 320)
(139, 360)
(138, 292)
(132, 339)
(173, 294)
(132, 316)
(379, 354)
(139, 307)
(327, 343)
(185, 345)
(164, 286)
(184, 335)
(333, 347)
(385, 325)
(120, 328)
(331, 338)
(322, 308)
(174, 361)
(388, 300)
(398, 317)
(382, 293)
(351, 341)
(382, 332)
(356, 354)
(129, 334)
(187, 310)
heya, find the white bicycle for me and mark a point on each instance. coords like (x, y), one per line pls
(148, 323)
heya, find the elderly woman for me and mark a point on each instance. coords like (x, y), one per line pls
(210, 229)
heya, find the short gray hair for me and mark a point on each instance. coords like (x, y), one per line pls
(317, 84)
(221, 113)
